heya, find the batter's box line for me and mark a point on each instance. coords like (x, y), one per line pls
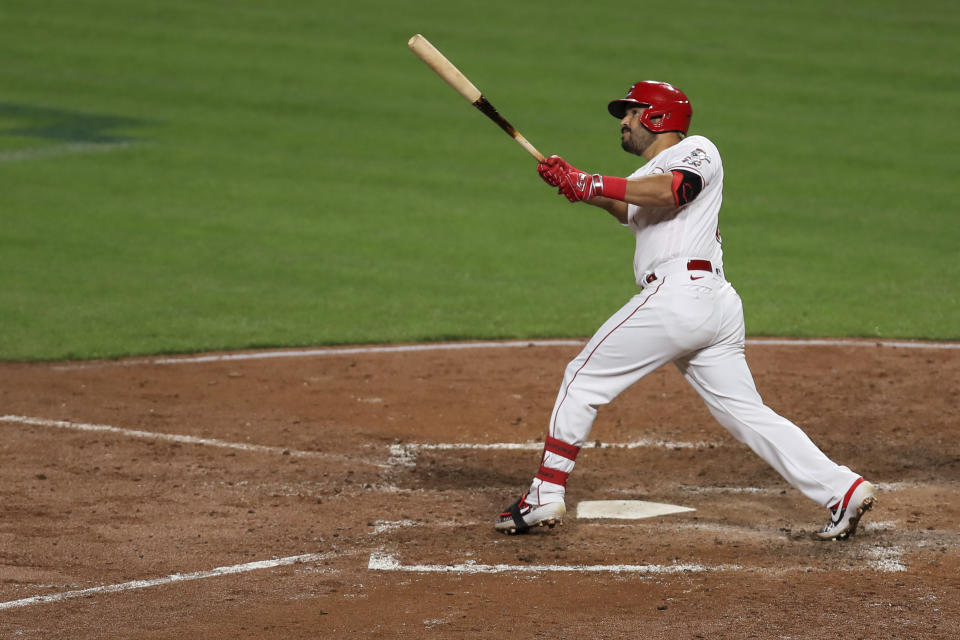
(380, 561)
(184, 439)
(405, 454)
(884, 560)
(171, 579)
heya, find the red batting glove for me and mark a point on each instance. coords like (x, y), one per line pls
(552, 170)
(577, 185)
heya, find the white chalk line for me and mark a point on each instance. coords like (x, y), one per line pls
(384, 526)
(401, 455)
(156, 582)
(526, 446)
(380, 561)
(182, 439)
(327, 351)
(840, 342)
(886, 560)
(447, 346)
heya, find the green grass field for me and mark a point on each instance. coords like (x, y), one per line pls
(185, 176)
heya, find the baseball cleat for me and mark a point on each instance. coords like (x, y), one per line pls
(521, 515)
(846, 514)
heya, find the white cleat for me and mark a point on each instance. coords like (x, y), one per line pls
(521, 516)
(846, 514)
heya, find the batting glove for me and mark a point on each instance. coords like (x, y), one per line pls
(552, 170)
(576, 185)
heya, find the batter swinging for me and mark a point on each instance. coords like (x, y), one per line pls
(686, 313)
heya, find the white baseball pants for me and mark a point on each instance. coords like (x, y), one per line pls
(695, 320)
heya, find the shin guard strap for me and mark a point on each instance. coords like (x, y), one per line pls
(562, 449)
(552, 475)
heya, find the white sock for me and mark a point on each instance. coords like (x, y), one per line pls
(542, 492)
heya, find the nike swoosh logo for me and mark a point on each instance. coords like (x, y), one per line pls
(839, 516)
(697, 277)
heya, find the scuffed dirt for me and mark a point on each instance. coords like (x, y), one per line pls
(342, 477)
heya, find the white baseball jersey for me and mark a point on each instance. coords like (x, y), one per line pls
(664, 233)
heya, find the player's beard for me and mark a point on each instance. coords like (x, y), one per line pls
(639, 139)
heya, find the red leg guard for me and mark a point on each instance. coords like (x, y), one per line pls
(561, 448)
(552, 475)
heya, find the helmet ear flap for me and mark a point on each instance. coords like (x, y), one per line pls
(655, 119)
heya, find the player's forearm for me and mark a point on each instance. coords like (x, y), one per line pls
(616, 208)
(578, 186)
(651, 191)
(647, 191)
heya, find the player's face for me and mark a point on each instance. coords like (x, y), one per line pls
(634, 137)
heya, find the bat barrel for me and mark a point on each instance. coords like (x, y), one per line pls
(443, 67)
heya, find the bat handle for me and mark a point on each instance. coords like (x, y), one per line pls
(491, 112)
(530, 148)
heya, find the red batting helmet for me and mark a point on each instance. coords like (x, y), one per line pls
(662, 99)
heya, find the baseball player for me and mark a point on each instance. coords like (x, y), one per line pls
(685, 313)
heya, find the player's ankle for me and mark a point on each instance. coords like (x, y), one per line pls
(542, 492)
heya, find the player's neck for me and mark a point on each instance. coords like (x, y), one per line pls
(663, 141)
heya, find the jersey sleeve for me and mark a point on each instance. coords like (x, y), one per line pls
(697, 155)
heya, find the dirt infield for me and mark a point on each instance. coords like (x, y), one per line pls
(346, 493)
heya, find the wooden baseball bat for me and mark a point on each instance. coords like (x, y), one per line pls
(446, 70)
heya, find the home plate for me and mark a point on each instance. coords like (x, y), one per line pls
(626, 509)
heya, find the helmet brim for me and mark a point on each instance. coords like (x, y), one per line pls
(618, 108)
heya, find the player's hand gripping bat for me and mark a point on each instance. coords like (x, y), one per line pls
(445, 69)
